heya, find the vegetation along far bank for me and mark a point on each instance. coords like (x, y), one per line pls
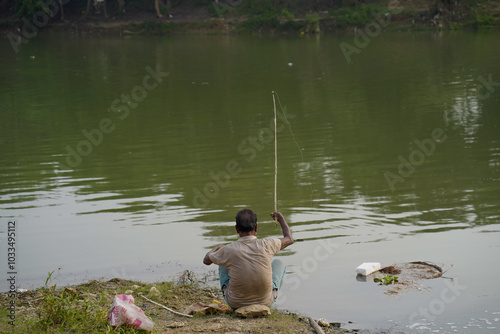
(23, 19)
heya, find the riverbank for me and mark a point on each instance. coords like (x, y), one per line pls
(220, 18)
(83, 309)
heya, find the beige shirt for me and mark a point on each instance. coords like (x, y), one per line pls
(248, 262)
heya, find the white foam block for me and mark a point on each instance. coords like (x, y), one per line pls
(367, 268)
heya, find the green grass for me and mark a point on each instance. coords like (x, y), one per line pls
(361, 15)
(481, 19)
(257, 23)
(159, 28)
(287, 15)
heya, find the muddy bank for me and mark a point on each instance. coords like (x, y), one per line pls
(83, 309)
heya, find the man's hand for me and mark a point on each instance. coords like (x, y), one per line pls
(207, 260)
(277, 216)
(287, 239)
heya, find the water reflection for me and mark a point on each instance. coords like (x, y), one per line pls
(352, 126)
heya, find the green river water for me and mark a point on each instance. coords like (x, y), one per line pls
(129, 157)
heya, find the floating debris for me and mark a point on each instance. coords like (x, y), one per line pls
(409, 276)
(390, 270)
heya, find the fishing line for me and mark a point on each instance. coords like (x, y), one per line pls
(283, 112)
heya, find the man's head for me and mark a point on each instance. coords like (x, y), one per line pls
(246, 221)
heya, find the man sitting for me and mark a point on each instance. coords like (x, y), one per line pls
(247, 274)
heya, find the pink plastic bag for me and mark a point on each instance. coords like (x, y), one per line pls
(124, 311)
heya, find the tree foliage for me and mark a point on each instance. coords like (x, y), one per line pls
(27, 8)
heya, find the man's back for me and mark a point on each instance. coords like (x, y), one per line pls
(248, 262)
(246, 273)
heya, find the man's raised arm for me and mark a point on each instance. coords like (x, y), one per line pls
(287, 239)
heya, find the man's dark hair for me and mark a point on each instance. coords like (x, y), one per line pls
(246, 220)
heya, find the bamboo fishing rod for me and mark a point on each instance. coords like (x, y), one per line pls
(275, 161)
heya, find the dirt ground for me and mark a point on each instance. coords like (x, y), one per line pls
(175, 296)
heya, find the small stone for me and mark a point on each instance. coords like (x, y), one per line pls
(252, 311)
(129, 292)
(135, 287)
(323, 322)
(176, 324)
